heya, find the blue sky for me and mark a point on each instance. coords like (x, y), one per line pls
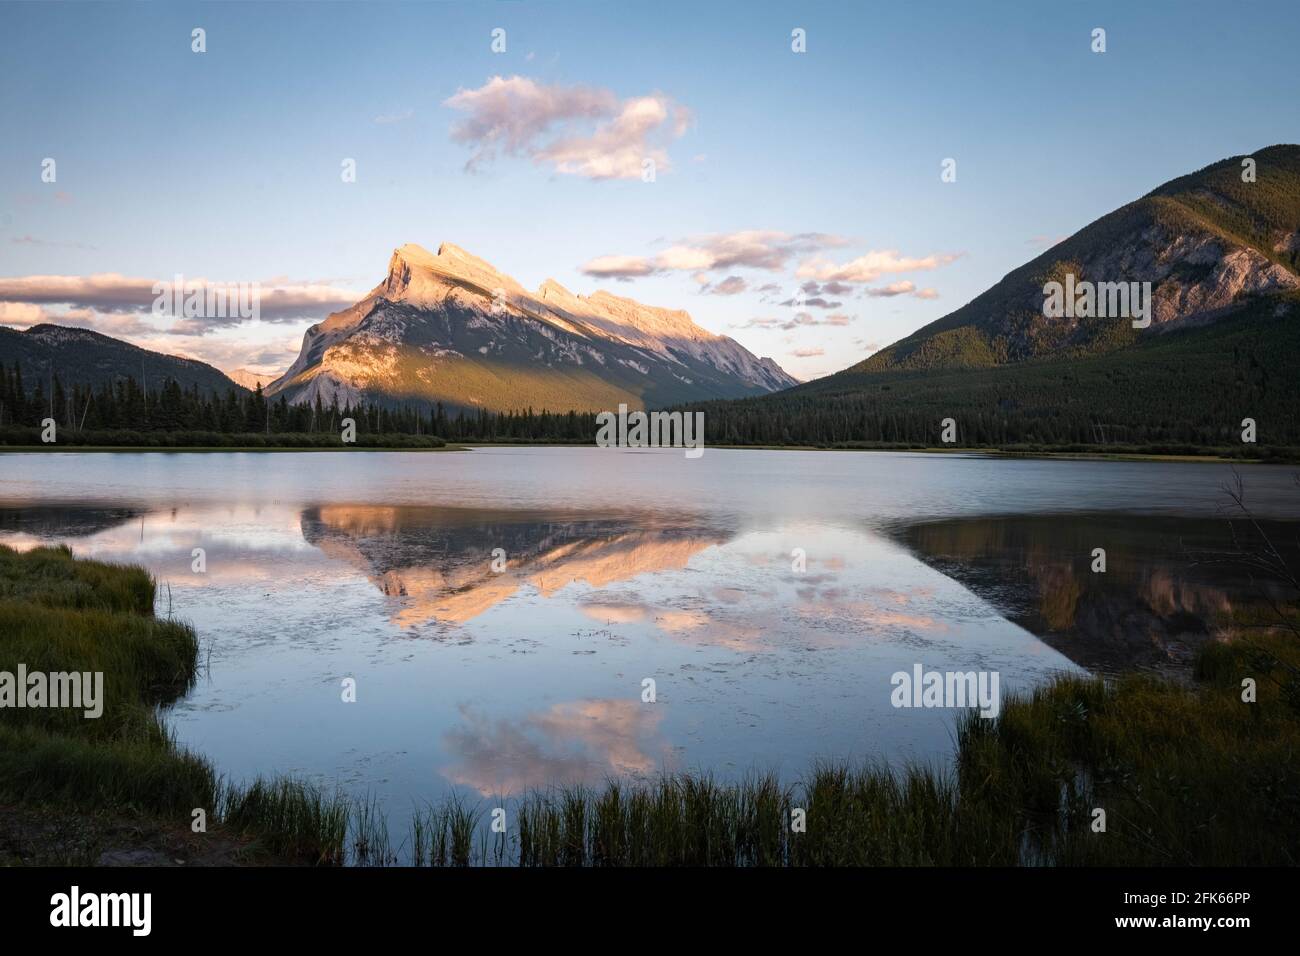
(226, 164)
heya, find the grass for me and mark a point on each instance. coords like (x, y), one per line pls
(294, 819)
(58, 613)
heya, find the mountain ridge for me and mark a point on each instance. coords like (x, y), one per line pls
(1204, 240)
(85, 357)
(451, 328)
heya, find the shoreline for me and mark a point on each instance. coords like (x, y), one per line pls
(986, 452)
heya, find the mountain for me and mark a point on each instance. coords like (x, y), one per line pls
(250, 380)
(450, 328)
(1223, 344)
(81, 357)
(1205, 242)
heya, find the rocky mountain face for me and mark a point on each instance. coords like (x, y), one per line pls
(450, 328)
(81, 357)
(1207, 242)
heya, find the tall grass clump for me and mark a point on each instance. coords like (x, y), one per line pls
(61, 614)
(293, 819)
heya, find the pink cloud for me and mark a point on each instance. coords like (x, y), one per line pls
(576, 130)
(872, 265)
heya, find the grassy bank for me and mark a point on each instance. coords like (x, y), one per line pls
(60, 614)
(1187, 774)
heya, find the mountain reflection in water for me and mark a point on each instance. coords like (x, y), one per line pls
(450, 565)
(1167, 587)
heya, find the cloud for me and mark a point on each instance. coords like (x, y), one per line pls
(731, 285)
(800, 320)
(109, 292)
(808, 353)
(581, 741)
(872, 265)
(816, 302)
(576, 130)
(618, 267)
(826, 288)
(105, 292)
(905, 287)
(891, 290)
(22, 314)
(768, 250)
(229, 353)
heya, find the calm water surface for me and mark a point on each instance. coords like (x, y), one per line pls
(619, 566)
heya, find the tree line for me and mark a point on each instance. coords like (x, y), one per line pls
(1116, 407)
(113, 413)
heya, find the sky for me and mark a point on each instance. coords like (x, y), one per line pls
(798, 201)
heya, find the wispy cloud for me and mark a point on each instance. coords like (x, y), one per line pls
(280, 301)
(764, 249)
(872, 265)
(731, 285)
(799, 320)
(618, 267)
(905, 287)
(576, 130)
(816, 302)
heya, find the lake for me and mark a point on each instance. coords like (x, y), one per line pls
(502, 610)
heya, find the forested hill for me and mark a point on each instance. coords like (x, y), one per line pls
(1187, 390)
(82, 357)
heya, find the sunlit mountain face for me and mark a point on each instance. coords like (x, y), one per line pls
(449, 328)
